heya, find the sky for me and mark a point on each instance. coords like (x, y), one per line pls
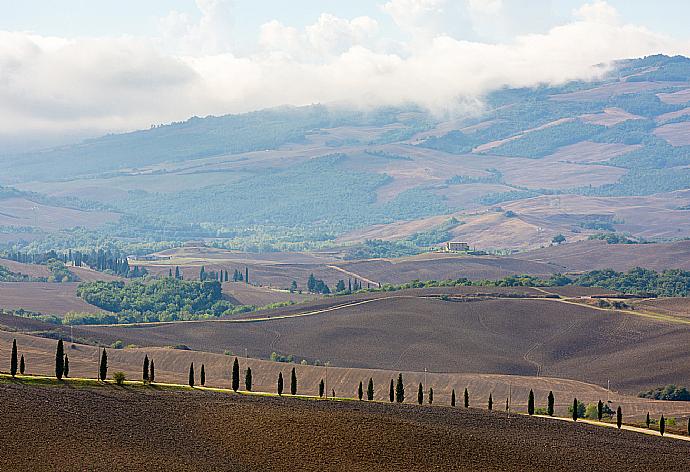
(82, 67)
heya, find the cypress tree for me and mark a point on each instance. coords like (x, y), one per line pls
(22, 366)
(688, 425)
(466, 398)
(400, 390)
(248, 380)
(246, 275)
(322, 386)
(452, 398)
(280, 383)
(177, 272)
(491, 402)
(507, 406)
(152, 372)
(293, 382)
(662, 424)
(600, 410)
(647, 420)
(420, 394)
(59, 360)
(235, 375)
(431, 396)
(103, 370)
(360, 391)
(530, 403)
(619, 417)
(391, 392)
(575, 409)
(191, 374)
(145, 372)
(370, 389)
(550, 404)
(66, 368)
(13, 360)
(202, 375)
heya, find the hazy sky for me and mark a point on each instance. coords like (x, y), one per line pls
(85, 66)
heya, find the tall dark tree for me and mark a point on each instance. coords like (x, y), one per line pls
(13, 360)
(202, 375)
(507, 404)
(431, 396)
(689, 426)
(360, 391)
(177, 272)
(452, 398)
(235, 375)
(246, 275)
(59, 360)
(152, 372)
(322, 387)
(202, 274)
(145, 370)
(600, 410)
(280, 383)
(619, 417)
(662, 424)
(647, 421)
(400, 390)
(490, 404)
(370, 389)
(311, 283)
(66, 367)
(391, 392)
(530, 403)
(103, 368)
(420, 394)
(191, 374)
(293, 382)
(248, 379)
(550, 404)
(575, 405)
(466, 398)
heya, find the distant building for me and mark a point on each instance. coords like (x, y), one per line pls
(457, 246)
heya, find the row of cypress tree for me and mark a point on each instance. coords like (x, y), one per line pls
(396, 391)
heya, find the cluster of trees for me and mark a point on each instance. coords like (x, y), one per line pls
(315, 285)
(166, 298)
(7, 275)
(669, 392)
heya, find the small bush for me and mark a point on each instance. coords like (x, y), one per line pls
(119, 378)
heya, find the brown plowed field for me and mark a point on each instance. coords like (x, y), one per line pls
(34, 270)
(402, 332)
(112, 428)
(591, 255)
(43, 297)
(172, 367)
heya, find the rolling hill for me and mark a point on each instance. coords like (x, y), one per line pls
(575, 159)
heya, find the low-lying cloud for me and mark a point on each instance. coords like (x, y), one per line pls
(64, 85)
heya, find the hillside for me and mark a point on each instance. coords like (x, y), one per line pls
(402, 331)
(575, 159)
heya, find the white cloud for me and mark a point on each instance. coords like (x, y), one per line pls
(485, 7)
(112, 84)
(417, 16)
(212, 34)
(598, 11)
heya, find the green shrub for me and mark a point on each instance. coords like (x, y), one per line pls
(119, 378)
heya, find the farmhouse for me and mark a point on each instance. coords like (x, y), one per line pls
(457, 246)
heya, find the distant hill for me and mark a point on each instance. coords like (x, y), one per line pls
(576, 159)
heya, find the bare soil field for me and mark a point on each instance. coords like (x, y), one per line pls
(677, 134)
(591, 255)
(172, 367)
(43, 297)
(667, 306)
(441, 266)
(114, 428)
(34, 270)
(243, 294)
(23, 212)
(516, 336)
(610, 117)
